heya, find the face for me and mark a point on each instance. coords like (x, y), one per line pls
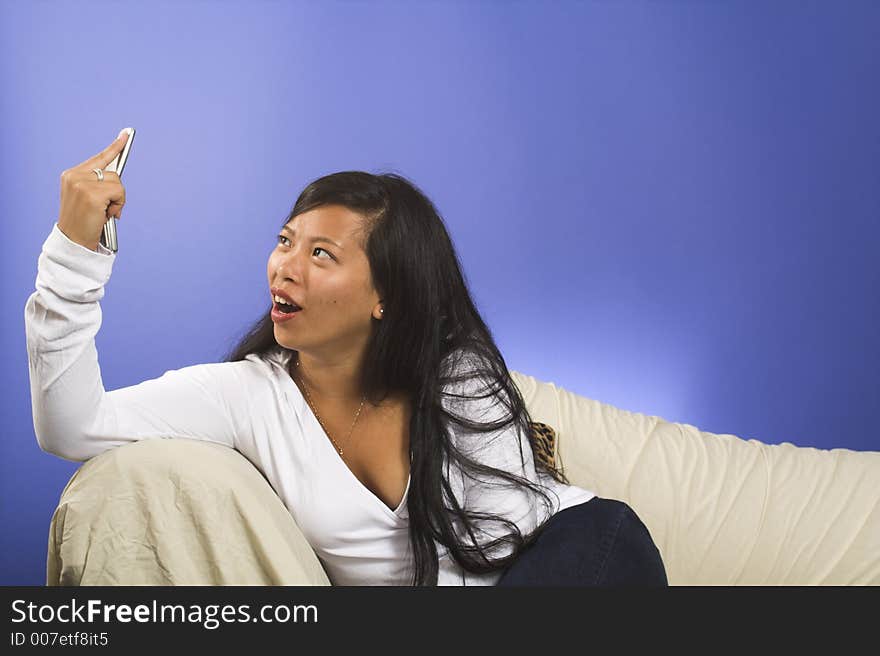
(330, 281)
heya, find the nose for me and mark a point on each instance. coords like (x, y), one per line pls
(289, 266)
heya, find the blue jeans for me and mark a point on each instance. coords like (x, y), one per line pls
(598, 543)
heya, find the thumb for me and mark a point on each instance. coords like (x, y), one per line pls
(103, 159)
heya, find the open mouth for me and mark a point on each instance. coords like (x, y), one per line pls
(286, 308)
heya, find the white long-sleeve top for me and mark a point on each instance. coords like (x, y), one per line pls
(255, 407)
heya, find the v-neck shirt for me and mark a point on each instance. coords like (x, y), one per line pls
(255, 407)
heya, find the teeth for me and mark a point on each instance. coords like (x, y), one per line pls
(278, 299)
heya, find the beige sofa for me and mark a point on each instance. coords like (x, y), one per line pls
(722, 510)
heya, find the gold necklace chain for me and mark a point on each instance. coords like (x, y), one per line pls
(309, 396)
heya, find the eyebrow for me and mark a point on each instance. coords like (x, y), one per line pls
(315, 239)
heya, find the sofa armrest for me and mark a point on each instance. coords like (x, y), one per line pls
(175, 512)
(723, 510)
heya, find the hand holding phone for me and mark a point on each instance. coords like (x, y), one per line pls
(108, 237)
(92, 195)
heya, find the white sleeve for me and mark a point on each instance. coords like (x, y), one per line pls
(499, 449)
(74, 417)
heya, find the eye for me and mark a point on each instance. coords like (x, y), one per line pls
(316, 248)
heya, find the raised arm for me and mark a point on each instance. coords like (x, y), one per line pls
(74, 417)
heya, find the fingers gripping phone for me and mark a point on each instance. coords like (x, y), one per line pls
(108, 237)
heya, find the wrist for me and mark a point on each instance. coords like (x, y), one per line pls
(85, 243)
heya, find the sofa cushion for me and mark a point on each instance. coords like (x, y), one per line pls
(543, 436)
(175, 512)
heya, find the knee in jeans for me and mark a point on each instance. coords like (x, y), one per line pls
(598, 543)
(631, 556)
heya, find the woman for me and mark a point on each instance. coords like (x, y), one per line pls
(371, 395)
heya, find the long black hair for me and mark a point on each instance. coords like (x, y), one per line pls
(429, 331)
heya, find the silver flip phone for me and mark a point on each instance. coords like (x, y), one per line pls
(108, 237)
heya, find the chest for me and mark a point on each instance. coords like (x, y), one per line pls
(375, 448)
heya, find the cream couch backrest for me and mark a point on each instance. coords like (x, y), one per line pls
(723, 510)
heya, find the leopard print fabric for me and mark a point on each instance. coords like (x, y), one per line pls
(543, 437)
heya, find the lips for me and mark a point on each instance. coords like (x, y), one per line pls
(280, 317)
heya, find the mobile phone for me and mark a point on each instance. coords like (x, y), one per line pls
(108, 237)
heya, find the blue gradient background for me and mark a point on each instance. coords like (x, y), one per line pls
(670, 207)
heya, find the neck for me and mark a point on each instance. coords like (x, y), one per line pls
(338, 383)
(335, 381)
